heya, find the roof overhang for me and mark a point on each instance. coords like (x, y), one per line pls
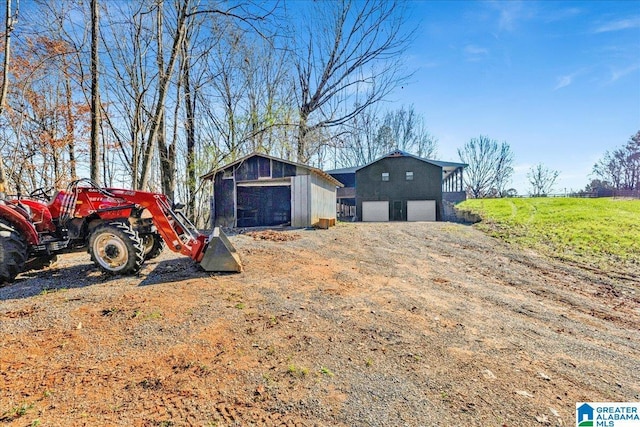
(448, 170)
(447, 167)
(311, 169)
(278, 182)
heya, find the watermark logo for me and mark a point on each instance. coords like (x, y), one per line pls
(608, 414)
(584, 417)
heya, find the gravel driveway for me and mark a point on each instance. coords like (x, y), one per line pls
(364, 324)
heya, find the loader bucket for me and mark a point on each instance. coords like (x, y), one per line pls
(220, 255)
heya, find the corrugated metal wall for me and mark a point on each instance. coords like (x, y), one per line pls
(300, 201)
(249, 190)
(323, 199)
(312, 198)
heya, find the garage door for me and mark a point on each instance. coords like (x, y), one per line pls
(263, 205)
(421, 210)
(375, 211)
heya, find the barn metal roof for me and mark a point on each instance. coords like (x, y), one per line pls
(447, 167)
(311, 169)
(352, 169)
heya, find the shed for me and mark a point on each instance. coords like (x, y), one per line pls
(261, 190)
(402, 187)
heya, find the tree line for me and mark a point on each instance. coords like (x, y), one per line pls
(490, 169)
(618, 169)
(152, 94)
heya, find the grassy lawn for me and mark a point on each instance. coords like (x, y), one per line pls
(601, 232)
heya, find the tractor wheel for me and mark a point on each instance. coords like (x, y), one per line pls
(13, 253)
(153, 245)
(116, 248)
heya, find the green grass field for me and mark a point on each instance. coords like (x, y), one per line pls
(603, 233)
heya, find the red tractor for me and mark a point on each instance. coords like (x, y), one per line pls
(120, 229)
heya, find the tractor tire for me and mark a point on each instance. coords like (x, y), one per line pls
(13, 253)
(153, 245)
(116, 248)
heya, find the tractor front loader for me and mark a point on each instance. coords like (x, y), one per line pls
(119, 228)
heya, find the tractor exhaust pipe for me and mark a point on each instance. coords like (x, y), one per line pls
(220, 255)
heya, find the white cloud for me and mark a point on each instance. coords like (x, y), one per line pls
(475, 50)
(475, 53)
(621, 24)
(562, 14)
(616, 73)
(619, 73)
(564, 81)
(429, 64)
(422, 61)
(568, 79)
(511, 13)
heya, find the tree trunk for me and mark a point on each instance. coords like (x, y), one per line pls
(190, 134)
(166, 170)
(163, 87)
(350, 59)
(9, 21)
(303, 132)
(95, 95)
(70, 129)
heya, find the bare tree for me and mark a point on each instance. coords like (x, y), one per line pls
(247, 100)
(187, 11)
(361, 142)
(621, 168)
(95, 95)
(142, 93)
(351, 59)
(407, 132)
(9, 20)
(77, 60)
(44, 123)
(268, 97)
(189, 124)
(128, 84)
(70, 107)
(166, 149)
(490, 166)
(163, 89)
(228, 88)
(371, 136)
(542, 180)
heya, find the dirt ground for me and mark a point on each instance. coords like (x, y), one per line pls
(394, 324)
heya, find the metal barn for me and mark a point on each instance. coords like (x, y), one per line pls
(259, 190)
(401, 187)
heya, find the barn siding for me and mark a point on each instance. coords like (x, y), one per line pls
(323, 199)
(312, 198)
(300, 201)
(426, 183)
(312, 195)
(224, 202)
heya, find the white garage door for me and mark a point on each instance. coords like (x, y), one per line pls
(421, 210)
(375, 211)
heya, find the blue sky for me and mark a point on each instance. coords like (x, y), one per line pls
(558, 81)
